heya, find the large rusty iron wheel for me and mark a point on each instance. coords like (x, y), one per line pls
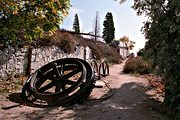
(103, 69)
(94, 66)
(89, 84)
(63, 81)
(26, 93)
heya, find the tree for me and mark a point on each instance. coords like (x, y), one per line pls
(28, 20)
(127, 43)
(163, 45)
(96, 27)
(108, 30)
(76, 24)
(140, 52)
(25, 21)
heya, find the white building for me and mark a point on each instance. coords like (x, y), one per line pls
(124, 52)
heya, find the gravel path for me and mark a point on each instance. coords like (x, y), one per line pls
(129, 102)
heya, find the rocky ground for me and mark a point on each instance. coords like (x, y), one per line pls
(124, 97)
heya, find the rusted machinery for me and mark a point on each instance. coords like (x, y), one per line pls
(101, 69)
(63, 82)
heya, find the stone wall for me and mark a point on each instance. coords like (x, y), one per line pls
(13, 61)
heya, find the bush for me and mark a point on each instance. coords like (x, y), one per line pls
(136, 65)
(114, 60)
(102, 50)
(65, 41)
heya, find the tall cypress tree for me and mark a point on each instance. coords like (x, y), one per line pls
(76, 24)
(108, 30)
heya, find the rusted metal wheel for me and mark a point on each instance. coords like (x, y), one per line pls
(59, 82)
(103, 69)
(94, 66)
(26, 93)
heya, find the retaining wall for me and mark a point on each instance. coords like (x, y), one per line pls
(13, 61)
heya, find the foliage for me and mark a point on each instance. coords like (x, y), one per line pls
(136, 65)
(108, 30)
(11, 84)
(76, 27)
(157, 84)
(64, 41)
(27, 20)
(111, 53)
(140, 52)
(102, 50)
(127, 43)
(115, 43)
(163, 46)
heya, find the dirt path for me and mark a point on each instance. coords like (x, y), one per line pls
(129, 102)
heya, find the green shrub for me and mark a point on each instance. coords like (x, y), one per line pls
(136, 65)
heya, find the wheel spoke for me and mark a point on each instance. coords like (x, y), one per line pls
(69, 82)
(62, 69)
(104, 69)
(50, 77)
(42, 79)
(58, 86)
(63, 86)
(82, 84)
(46, 87)
(55, 69)
(68, 75)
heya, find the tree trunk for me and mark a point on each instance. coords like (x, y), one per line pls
(27, 61)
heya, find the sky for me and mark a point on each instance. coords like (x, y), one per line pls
(126, 22)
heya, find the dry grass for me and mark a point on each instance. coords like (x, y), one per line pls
(102, 50)
(11, 85)
(157, 87)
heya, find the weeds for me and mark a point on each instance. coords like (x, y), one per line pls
(137, 65)
(11, 85)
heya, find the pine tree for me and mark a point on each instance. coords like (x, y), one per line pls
(76, 24)
(108, 30)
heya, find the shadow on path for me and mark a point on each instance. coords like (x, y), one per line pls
(129, 102)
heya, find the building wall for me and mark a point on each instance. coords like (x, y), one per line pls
(13, 61)
(124, 52)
